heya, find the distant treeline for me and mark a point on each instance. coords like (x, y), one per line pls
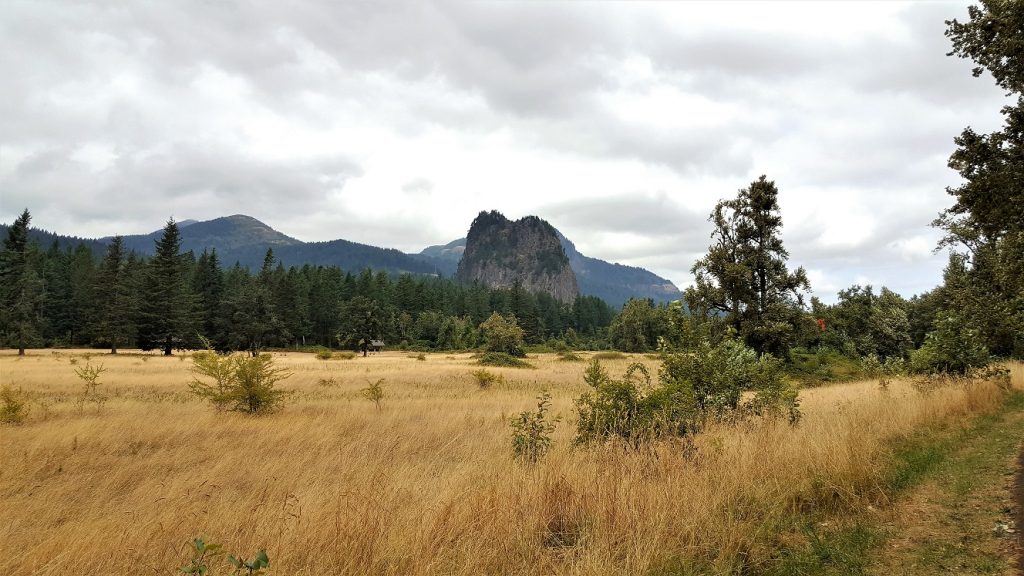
(68, 296)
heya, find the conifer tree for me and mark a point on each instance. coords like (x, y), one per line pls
(744, 275)
(167, 303)
(21, 286)
(114, 297)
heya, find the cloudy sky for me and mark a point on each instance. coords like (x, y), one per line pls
(395, 123)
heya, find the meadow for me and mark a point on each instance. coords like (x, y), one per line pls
(426, 483)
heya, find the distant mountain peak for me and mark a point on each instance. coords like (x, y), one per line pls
(501, 253)
(613, 283)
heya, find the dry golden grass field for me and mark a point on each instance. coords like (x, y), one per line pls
(427, 483)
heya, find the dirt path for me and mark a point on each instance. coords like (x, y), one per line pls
(961, 520)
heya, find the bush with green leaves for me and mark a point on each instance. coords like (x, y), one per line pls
(570, 356)
(531, 431)
(324, 354)
(13, 408)
(484, 378)
(631, 409)
(720, 374)
(951, 348)
(240, 383)
(882, 370)
(708, 383)
(503, 335)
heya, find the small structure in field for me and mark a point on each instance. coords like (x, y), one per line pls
(376, 345)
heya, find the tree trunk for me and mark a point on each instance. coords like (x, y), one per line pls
(113, 347)
(167, 346)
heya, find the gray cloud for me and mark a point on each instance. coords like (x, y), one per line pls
(621, 123)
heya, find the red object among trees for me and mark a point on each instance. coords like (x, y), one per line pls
(821, 324)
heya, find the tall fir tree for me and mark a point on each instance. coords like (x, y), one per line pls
(21, 286)
(166, 312)
(114, 305)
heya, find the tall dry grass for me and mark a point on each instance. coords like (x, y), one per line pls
(427, 484)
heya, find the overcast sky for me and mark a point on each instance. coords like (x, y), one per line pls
(393, 124)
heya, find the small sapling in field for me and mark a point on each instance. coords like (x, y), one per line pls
(531, 431)
(374, 392)
(90, 376)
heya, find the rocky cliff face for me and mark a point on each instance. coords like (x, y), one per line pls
(500, 252)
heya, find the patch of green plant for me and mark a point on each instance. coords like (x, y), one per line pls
(609, 355)
(951, 348)
(822, 366)
(324, 354)
(501, 359)
(204, 553)
(484, 378)
(531, 431)
(882, 370)
(829, 550)
(13, 408)
(569, 356)
(328, 382)
(345, 355)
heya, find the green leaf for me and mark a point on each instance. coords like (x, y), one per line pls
(186, 569)
(235, 561)
(261, 557)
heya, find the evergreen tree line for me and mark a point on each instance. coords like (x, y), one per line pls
(70, 297)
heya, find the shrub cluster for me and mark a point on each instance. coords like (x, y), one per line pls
(692, 388)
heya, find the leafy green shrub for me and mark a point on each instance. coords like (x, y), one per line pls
(951, 348)
(13, 410)
(484, 378)
(630, 409)
(325, 354)
(503, 335)
(345, 355)
(719, 375)
(502, 360)
(610, 355)
(883, 371)
(240, 383)
(693, 387)
(531, 431)
(374, 392)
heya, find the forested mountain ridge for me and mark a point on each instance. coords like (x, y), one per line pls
(244, 239)
(501, 253)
